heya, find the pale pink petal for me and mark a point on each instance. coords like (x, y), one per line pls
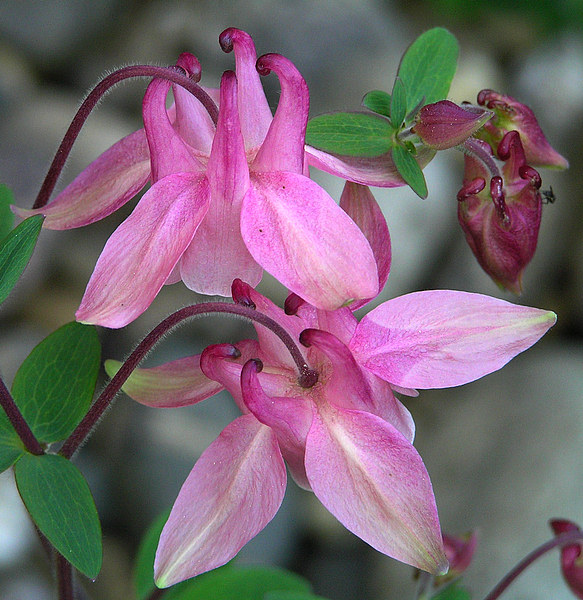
(100, 189)
(177, 383)
(168, 151)
(289, 417)
(361, 206)
(192, 122)
(218, 254)
(296, 232)
(283, 148)
(379, 171)
(231, 494)
(141, 253)
(374, 482)
(442, 338)
(254, 110)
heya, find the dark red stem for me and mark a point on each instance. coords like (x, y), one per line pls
(558, 541)
(307, 377)
(173, 74)
(18, 422)
(65, 579)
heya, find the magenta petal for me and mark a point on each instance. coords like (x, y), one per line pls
(177, 383)
(231, 494)
(378, 171)
(436, 339)
(254, 110)
(296, 232)
(141, 253)
(283, 148)
(218, 254)
(361, 206)
(374, 482)
(100, 189)
(168, 152)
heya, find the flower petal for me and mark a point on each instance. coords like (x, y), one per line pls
(283, 148)
(141, 253)
(360, 205)
(374, 482)
(218, 254)
(177, 383)
(168, 152)
(231, 494)
(254, 110)
(442, 338)
(379, 171)
(100, 189)
(296, 232)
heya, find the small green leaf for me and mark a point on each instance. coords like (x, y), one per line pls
(15, 252)
(11, 447)
(379, 102)
(54, 386)
(144, 565)
(287, 595)
(6, 216)
(59, 501)
(245, 583)
(428, 66)
(410, 171)
(398, 103)
(455, 591)
(350, 134)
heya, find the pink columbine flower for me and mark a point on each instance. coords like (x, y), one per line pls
(501, 215)
(511, 115)
(571, 557)
(225, 202)
(347, 438)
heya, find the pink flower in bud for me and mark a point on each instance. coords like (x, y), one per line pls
(460, 552)
(501, 215)
(571, 557)
(511, 115)
(444, 124)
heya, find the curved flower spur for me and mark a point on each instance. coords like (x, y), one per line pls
(226, 201)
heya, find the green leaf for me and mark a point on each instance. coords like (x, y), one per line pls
(59, 501)
(15, 252)
(350, 134)
(455, 591)
(379, 102)
(11, 447)
(245, 583)
(54, 385)
(428, 66)
(286, 595)
(398, 103)
(6, 216)
(409, 170)
(144, 565)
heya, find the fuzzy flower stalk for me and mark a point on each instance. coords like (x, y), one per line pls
(346, 437)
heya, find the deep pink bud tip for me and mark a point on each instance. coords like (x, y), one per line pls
(292, 304)
(240, 292)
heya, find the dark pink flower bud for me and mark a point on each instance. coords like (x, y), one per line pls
(511, 115)
(501, 215)
(571, 557)
(460, 552)
(444, 124)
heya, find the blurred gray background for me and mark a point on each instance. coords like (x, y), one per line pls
(504, 453)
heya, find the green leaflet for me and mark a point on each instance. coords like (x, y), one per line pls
(15, 252)
(10, 445)
(6, 216)
(410, 171)
(60, 503)
(428, 66)
(379, 102)
(350, 134)
(54, 386)
(398, 104)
